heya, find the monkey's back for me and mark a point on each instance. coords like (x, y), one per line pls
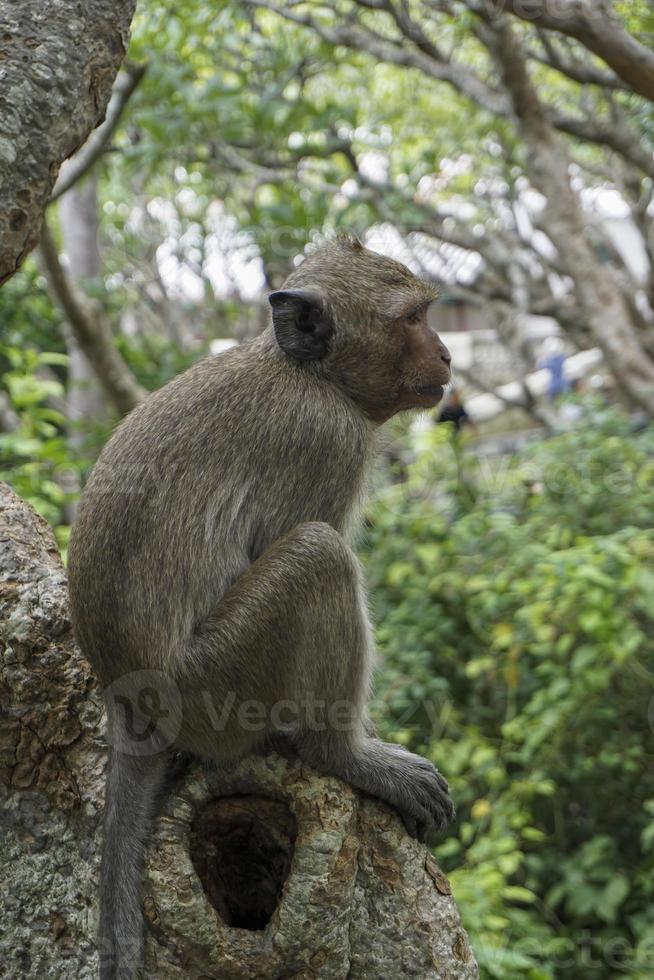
(193, 486)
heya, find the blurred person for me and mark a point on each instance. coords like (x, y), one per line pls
(454, 411)
(552, 359)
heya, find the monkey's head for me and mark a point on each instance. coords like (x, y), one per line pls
(360, 319)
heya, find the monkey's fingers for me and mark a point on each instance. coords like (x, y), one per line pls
(442, 807)
(442, 781)
(444, 814)
(430, 802)
(411, 825)
(423, 817)
(416, 825)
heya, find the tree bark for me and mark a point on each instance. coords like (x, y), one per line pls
(75, 168)
(548, 166)
(594, 24)
(359, 899)
(58, 61)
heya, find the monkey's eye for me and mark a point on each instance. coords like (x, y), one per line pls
(414, 316)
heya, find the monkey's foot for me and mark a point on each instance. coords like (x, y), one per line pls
(414, 787)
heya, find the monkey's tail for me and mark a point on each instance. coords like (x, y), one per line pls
(135, 786)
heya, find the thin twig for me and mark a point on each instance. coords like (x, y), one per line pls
(79, 165)
(91, 331)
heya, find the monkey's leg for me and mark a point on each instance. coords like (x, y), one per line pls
(291, 638)
(134, 785)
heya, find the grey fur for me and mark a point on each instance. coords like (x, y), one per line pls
(211, 566)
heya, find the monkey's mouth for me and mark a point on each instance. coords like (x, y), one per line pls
(430, 391)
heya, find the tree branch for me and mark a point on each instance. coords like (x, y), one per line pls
(356, 37)
(414, 50)
(75, 168)
(91, 332)
(582, 71)
(595, 26)
(58, 66)
(548, 166)
(616, 134)
(526, 404)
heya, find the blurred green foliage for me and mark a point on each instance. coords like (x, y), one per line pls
(38, 458)
(515, 610)
(154, 360)
(35, 458)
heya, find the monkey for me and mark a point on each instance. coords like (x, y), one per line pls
(211, 566)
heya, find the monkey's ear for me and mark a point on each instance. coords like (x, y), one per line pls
(301, 322)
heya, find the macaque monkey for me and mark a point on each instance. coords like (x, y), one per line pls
(211, 566)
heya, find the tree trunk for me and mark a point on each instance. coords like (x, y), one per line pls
(78, 216)
(548, 167)
(59, 59)
(360, 900)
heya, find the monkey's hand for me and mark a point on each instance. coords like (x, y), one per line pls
(412, 785)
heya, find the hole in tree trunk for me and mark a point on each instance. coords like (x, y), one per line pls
(241, 848)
